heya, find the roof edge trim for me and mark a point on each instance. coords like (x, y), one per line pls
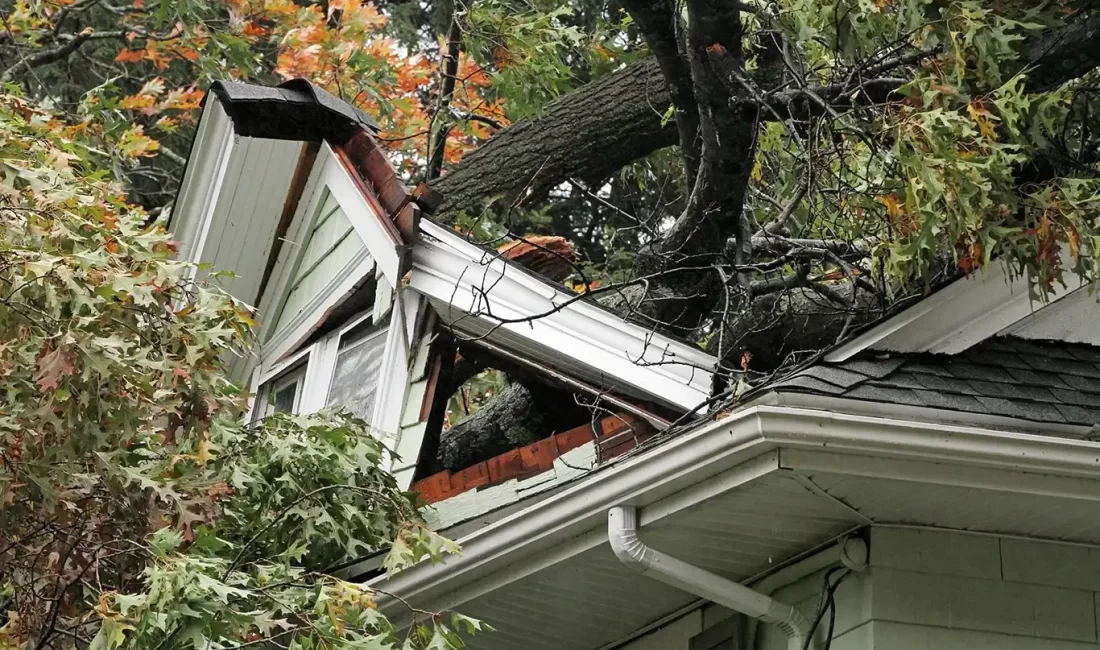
(957, 317)
(707, 462)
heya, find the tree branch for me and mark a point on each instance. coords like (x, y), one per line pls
(777, 244)
(46, 57)
(441, 124)
(588, 134)
(662, 27)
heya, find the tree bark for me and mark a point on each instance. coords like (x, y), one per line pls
(512, 419)
(588, 134)
(604, 125)
(1063, 53)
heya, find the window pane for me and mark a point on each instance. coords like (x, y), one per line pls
(356, 377)
(283, 401)
(282, 394)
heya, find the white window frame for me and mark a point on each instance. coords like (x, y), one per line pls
(295, 376)
(317, 366)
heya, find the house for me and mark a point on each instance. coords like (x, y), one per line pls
(932, 482)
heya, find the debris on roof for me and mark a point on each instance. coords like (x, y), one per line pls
(550, 256)
(1042, 382)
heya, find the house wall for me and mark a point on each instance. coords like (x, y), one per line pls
(410, 434)
(938, 590)
(954, 591)
(850, 632)
(332, 244)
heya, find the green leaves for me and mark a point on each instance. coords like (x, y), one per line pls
(945, 167)
(529, 47)
(130, 485)
(111, 635)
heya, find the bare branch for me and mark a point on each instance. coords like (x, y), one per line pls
(46, 57)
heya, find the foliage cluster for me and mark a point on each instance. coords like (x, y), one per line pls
(137, 509)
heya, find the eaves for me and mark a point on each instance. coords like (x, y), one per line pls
(729, 452)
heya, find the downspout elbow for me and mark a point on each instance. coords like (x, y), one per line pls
(622, 532)
(623, 535)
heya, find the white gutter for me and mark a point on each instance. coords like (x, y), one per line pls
(572, 521)
(622, 533)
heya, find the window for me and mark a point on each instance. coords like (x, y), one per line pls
(283, 394)
(341, 369)
(358, 371)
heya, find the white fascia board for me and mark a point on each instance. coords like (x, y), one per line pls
(955, 318)
(202, 180)
(723, 455)
(475, 284)
(1074, 319)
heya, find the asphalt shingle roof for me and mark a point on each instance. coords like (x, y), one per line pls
(294, 110)
(1044, 382)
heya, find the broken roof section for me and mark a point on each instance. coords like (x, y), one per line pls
(265, 163)
(295, 110)
(480, 295)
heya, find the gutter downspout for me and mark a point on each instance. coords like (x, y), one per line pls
(622, 525)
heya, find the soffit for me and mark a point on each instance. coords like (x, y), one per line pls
(591, 599)
(754, 516)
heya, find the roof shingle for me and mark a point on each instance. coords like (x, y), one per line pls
(1053, 382)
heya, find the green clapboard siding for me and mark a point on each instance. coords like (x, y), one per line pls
(331, 243)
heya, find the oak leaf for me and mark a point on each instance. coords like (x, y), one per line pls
(51, 367)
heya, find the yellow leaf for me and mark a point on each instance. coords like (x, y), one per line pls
(983, 118)
(757, 172)
(894, 208)
(204, 455)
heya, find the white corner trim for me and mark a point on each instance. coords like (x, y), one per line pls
(202, 182)
(955, 318)
(393, 386)
(470, 285)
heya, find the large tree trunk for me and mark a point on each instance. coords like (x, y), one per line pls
(513, 419)
(588, 134)
(596, 130)
(604, 125)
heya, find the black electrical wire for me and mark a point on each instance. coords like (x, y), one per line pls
(827, 603)
(832, 613)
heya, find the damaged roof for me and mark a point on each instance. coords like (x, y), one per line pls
(295, 110)
(1050, 382)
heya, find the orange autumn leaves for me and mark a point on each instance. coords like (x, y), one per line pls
(347, 52)
(344, 49)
